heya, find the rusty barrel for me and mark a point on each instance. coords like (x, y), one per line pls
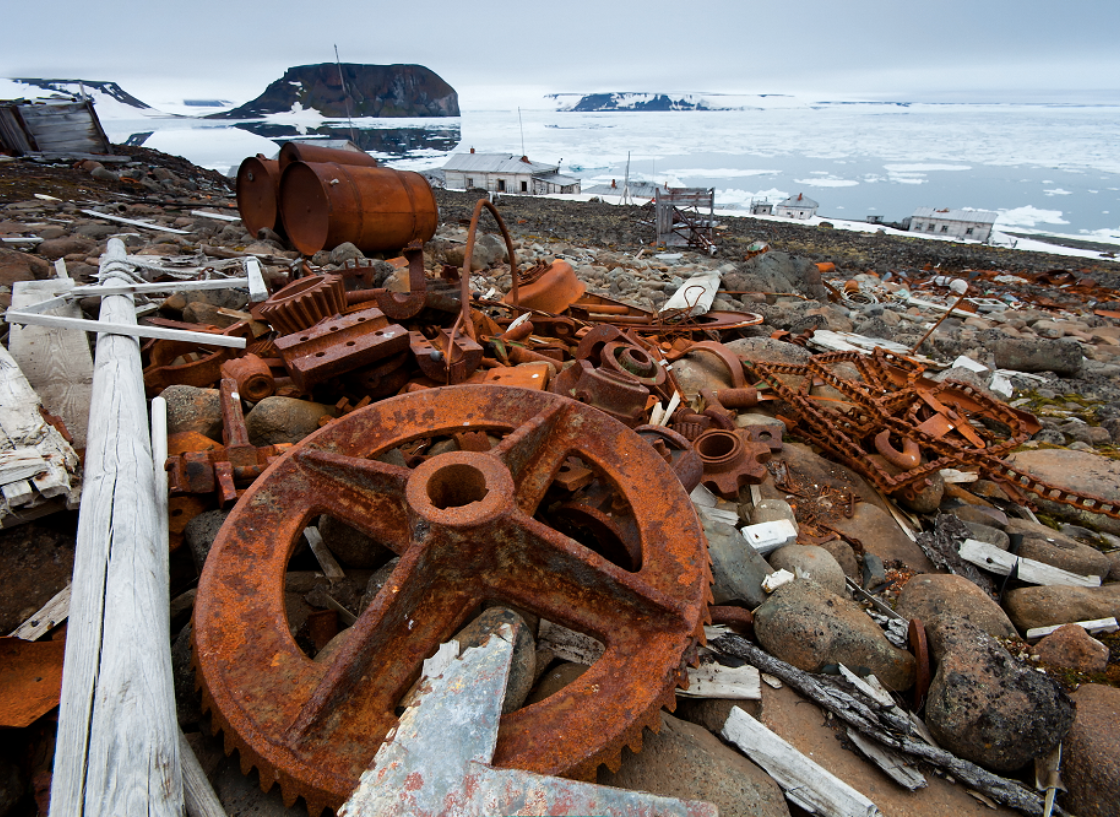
(303, 152)
(324, 204)
(258, 191)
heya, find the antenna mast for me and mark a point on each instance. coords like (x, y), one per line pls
(522, 126)
(345, 95)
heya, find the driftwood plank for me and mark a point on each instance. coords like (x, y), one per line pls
(118, 739)
(198, 794)
(46, 618)
(994, 560)
(805, 782)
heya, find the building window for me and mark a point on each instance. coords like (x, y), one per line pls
(918, 226)
(501, 185)
(470, 182)
(944, 228)
(524, 187)
(931, 227)
(968, 231)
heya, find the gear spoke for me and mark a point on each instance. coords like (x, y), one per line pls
(367, 494)
(534, 451)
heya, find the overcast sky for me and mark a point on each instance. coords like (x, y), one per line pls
(947, 50)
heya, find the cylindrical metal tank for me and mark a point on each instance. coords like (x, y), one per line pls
(258, 187)
(326, 204)
(304, 152)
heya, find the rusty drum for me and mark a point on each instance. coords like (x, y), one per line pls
(303, 152)
(258, 186)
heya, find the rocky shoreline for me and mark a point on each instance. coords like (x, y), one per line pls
(1044, 339)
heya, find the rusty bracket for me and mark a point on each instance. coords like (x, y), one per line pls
(340, 345)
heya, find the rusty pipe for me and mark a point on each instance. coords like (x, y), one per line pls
(468, 256)
(324, 204)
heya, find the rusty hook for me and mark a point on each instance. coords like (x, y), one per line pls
(909, 457)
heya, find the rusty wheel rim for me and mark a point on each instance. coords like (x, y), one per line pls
(462, 524)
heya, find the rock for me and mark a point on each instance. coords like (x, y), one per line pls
(200, 533)
(809, 627)
(376, 582)
(1046, 545)
(992, 536)
(688, 762)
(352, 547)
(204, 313)
(985, 706)
(284, 420)
(937, 597)
(193, 409)
(101, 173)
(737, 568)
(712, 713)
(1063, 357)
(188, 703)
(60, 247)
(845, 556)
(523, 664)
(881, 535)
(815, 564)
(555, 680)
(345, 252)
(21, 266)
(1031, 607)
(1091, 754)
(980, 516)
(782, 272)
(768, 350)
(1071, 647)
(701, 371)
(773, 510)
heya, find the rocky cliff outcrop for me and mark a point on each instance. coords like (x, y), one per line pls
(373, 90)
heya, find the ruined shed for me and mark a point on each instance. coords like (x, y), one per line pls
(799, 207)
(506, 173)
(51, 127)
(975, 225)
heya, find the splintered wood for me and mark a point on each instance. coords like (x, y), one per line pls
(36, 462)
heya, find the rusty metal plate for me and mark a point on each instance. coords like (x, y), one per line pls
(465, 526)
(30, 680)
(340, 345)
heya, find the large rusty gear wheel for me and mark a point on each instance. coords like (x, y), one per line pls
(462, 523)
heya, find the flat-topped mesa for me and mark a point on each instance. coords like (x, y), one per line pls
(370, 90)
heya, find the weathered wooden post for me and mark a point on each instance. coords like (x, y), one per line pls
(118, 741)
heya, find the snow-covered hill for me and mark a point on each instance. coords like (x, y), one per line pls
(109, 99)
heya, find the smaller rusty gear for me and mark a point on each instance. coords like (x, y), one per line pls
(303, 303)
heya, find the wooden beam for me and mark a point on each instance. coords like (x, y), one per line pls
(123, 328)
(1096, 625)
(46, 618)
(198, 794)
(134, 223)
(117, 748)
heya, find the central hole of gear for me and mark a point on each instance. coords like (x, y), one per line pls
(454, 486)
(716, 446)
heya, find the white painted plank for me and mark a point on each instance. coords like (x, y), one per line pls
(56, 362)
(1096, 625)
(17, 494)
(117, 748)
(218, 216)
(133, 222)
(46, 618)
(805, 782)
(258, 291)
(18, 464)
(994, 560)
(132, 329)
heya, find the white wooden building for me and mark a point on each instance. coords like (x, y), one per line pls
(799, 206)
(505, 173)
(973, 225)
(761, 207)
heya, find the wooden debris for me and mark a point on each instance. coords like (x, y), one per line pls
(1097, 625)
(46, 618)
(805, 782)
(568, 644)
(36, 461)
(134, 223)
(135, 330)
(331, 568)
(1001, 562)
(713, 680)
(892, 764)
(57, 363)
(198, 795)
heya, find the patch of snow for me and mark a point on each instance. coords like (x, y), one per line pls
(1029, 216)
(1057, 191)
(722, 172)
(830, 181)
(923, 168)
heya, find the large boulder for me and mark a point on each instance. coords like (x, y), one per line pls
(193, 409)
(1063, 357)
(276, 420)
(20, 266)
(1046, 545)
(815, 563)
(985, 706)
(1071, 647)
(1091, 754)
(737, 568)
(1031, 607)
(1081, 471)
(937, 597)
(688, 762)
(779, 272)
(811, 628)
(880, 535)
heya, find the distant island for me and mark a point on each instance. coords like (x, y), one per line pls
(640, 101)
(370, 90)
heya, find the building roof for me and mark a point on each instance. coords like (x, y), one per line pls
(800, 200)
(556, 178)
(945, 214)
(496, 163)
